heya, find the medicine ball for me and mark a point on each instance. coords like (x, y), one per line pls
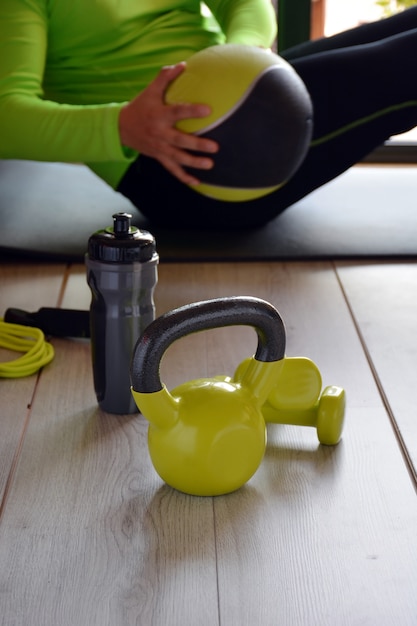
(261, 117)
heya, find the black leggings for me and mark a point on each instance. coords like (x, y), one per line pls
(363, 85)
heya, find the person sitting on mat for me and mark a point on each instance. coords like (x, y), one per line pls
(84, 81)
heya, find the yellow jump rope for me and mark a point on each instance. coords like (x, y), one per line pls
(31, 342)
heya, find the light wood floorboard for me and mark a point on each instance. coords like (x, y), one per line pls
(27, 287)
(383, 299)
(89, 534)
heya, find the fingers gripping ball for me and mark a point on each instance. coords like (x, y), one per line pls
(261, 117)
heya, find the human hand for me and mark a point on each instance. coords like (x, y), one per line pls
(147, 124)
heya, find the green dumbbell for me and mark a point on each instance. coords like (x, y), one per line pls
(297, 399)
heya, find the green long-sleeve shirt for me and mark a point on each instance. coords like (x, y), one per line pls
(68, 66)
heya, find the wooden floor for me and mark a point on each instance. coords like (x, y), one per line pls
(89, 534)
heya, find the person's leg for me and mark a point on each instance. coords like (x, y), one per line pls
(361, 95)
(366, 33)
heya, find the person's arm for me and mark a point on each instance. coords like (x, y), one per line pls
(249, 22)
(37, 129)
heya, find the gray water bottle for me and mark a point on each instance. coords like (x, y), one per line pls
(122, 274)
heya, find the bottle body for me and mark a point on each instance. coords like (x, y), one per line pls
(122, 305)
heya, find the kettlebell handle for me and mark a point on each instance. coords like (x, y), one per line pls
(205, 315)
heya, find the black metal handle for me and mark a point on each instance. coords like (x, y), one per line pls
(232, 311)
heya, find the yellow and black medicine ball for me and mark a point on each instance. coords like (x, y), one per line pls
(261, 116)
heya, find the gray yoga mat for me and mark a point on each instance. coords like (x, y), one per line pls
(48, 210)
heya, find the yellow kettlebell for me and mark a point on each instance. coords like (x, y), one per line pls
(208, 436)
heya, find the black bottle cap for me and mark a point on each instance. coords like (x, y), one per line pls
(121, 243)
